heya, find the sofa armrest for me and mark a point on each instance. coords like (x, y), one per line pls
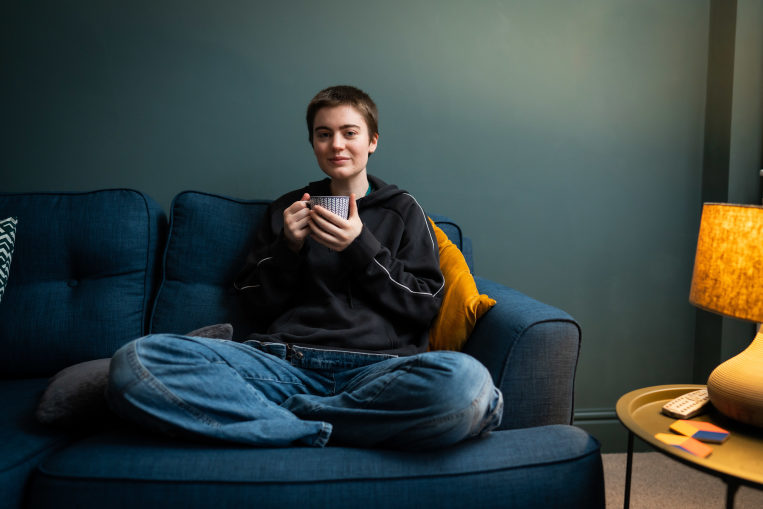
(531, 349)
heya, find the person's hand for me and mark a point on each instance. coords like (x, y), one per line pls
(296, 221)
(333, 231)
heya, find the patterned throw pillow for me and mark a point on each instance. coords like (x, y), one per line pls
(7, 239)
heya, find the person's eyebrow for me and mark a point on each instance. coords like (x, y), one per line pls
(345, 126)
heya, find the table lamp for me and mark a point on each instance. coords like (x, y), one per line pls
(728, 279)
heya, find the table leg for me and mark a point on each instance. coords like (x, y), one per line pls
(628, 471)
(731, 490)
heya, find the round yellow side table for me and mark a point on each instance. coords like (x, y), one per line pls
(738, 460)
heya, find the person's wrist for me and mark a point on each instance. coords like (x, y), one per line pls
(294, 246)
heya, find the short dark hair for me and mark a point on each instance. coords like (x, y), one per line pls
(343, 95)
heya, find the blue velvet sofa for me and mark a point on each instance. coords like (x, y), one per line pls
(93, 270)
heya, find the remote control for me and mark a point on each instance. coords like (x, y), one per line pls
(687, 405)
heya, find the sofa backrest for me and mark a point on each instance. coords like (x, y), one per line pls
(90, 271)
(456, 236)
(82, 277)
(209, 238)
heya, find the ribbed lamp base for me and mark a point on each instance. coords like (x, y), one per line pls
(736, 386)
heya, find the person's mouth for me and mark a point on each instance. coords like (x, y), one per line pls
(339, 159)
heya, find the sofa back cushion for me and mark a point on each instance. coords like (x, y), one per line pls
(210, 236)
(82, 277)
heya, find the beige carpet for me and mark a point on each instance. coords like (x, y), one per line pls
(662, 483)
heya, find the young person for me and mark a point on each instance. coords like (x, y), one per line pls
(349, 303)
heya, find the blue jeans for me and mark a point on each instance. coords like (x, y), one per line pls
(271, 394)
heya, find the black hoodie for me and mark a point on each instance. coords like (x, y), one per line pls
(380, 294)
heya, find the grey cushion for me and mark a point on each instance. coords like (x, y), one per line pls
(75, 395)
(219, 331)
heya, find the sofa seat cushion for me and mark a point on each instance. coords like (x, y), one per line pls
(516, 468)
(81, 280)
(23, 441)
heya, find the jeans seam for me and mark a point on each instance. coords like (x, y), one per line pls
(399, 372)
(271, 380)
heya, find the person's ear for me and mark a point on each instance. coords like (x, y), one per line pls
(372, 143)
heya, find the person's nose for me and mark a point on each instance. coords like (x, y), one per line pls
(338, 142)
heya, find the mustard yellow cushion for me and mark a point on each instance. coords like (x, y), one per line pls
(462, 303)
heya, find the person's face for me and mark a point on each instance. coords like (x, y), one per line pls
(341, 142)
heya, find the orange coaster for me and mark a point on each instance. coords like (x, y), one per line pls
(686, 444)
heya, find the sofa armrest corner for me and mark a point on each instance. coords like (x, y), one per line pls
(531, 349)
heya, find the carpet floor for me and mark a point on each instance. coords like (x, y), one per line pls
(662, 483)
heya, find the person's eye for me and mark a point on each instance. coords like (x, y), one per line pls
(323, 135)
(351, 134)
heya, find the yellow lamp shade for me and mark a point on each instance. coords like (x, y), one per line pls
(728, 268)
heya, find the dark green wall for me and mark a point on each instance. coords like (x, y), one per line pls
(566, 137)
